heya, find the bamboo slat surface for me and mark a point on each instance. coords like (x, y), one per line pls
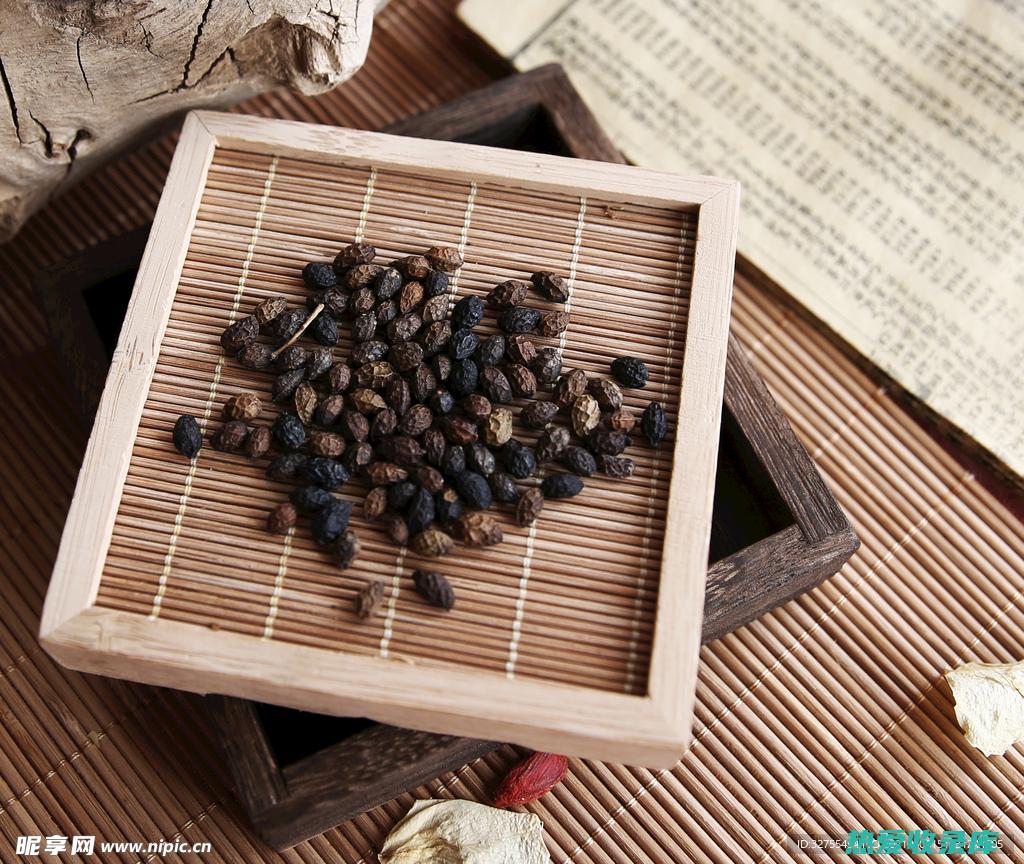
(827, 714)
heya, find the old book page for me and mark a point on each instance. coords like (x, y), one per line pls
(880, 144)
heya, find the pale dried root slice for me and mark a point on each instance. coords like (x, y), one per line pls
(989, 704)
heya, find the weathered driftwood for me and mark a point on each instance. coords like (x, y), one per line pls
(86, 79)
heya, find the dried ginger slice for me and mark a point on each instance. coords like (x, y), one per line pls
(989, 704)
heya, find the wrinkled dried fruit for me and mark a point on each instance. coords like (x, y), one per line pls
(607, 441)
(329, 521)
(653, 423)
(326, 444)
(255, 355)
(410, 296)
(404, 327)
(497, 428)
(538, 414)
(523, 381)
(503, 487)
(335, 302)
(357, 457)
(416, 420)
(420, 511)
(476, 407)
(398, 396)
(319, 276)
(462, 344)
(448, 259)
(458, 430)
(375, 375)
(430, 479)
(622, 420)
(282, 518)
(324, 329)
(395, 528)
(286, 325)
(535, 776)
(434, 588)
(422, 383)
(454, 460)
(258, 443)
(310, 499)
(363, 302)
(400, 494)
(442, 402)
(447, 507)
(491, 351)
(464, 377)
(432, 339)
(187, 437)
(607, 393)
(436, 283)
(305, 402)
(243, 332)
(286, 384)
(552, 443)
(630, 371)
(528, 508)
(617, 466)
(388, 283)
(547, 366)
(554, 323)
(519, 319)
(385, 473)
(318, 363)
(362, 276)
(384, 424)
(369, 352)
(354, 254)
(231, 437)
(364, 327)
(480, 459)
(434, 446)
(561, 486)
(521, 350)
(354, 426)
(269, 309)
(386, 311)
(328, 411)
(324, 472)
(579, 460)
(477, 529)
(467, 313)
(431, 543)
(403, 450)
(552, 286)
(507, 294)
(288, 432)
(435, 309)
(495, 385)
(339, 378)
(518, 459)
(286, 467)
(414, 266)
(473, 489)
(586, 414)
(369, 596)
(375, 503)
(366, 401)
(570, 387)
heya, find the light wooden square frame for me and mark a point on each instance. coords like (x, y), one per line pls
(652, 729)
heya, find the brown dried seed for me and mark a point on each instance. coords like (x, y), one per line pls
(445, 258)
(404, 327)
(410, 296)
(244, 406)
(430, 479)
(431, 543)
(292, 357)
(375, 375)
(369, 598)
(414, 266)
(523, 381)
(339, 377)
(385, 473)
(458, 430)
(521, 350)
(434, 588)
(434, 446)
(435, 309)
(617, 466)
(362, 276)
(607, 393)
(497, 429)
(398, 396)
(551, 285)
(328, 411)
(433, 338)
(305, 402)
(547, 366)
(255, 355)
(363, 301)
(476, 528)
(366, 401)
(586, 414)
(406, 356)
(347, 548)
(622, 420)
(552, 443)
(416, 420)
(538, 414)
(476, 407)
(383, 424)
(554, 323)
(354, 426)
(269, 309)
(402, 450)
(395, 528)
(507, 294)
(529, 506)
(258, 443)
(495, 385)
(282, 517)
(570, 387)
(354, 254)
(375, 503)
(326, 444)
(231, 436)
(243, 332)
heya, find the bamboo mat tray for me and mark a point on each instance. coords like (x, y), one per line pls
(825, 715)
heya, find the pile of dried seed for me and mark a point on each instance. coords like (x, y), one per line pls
(419, 408)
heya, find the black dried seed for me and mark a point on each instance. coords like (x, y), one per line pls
(468, 312)
(319, 276)
(447, 507)
(441, 366)
(464, 377)
(363, 301)
(287, 324)
(364, 327)
(187, 438)
(463, 343)
(435, 337)
(318, 363)
(286, 467)
(538, 414)
(291, 358)
(441, 402)
(354, 426)
(579, 460)
(324, 329)
(243, 332)
(330, 521)
(335, 302)
(547, 366)
(518, 459)
(404, 327)
(383, 424)
(323, 472)
(420, 512)
(309, 499)
(552, 286)
(491, 350)
(473, 489)
(416, 420)
(607, 441)
(288, 432)
(522, 380)
(495, 385)
(255, 355)
(503, 487)
(422, 383)
(369, 352)
(386, 311)
(519, 319)
(400, 494)
(435, 309)
(286, 384)
(561, 486)
(617, 466)
(552, 443)
(357, 457)
(402, 450)
(453, 463)
(653, 423)
(479, 458)
(388, 283)
(406, 356)
(435, 283)
(434, 588)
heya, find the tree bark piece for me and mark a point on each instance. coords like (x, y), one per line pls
(84, 80)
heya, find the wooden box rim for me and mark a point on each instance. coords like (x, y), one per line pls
(651, 729)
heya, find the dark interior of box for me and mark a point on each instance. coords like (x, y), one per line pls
(747, 505)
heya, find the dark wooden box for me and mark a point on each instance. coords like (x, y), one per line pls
(777, 529)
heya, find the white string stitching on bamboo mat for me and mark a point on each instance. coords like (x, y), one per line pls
(645, 550)
(180, 833)
(179, 517)
(531, 537)
(286, 549)
(396, 584)
(371, 182)
(275, 596)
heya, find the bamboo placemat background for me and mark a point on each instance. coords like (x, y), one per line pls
(826, 715)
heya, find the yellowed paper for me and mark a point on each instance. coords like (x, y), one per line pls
(464, 832)
(880, 145)
(989, 704)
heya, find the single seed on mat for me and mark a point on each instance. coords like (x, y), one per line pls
(434, 588)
